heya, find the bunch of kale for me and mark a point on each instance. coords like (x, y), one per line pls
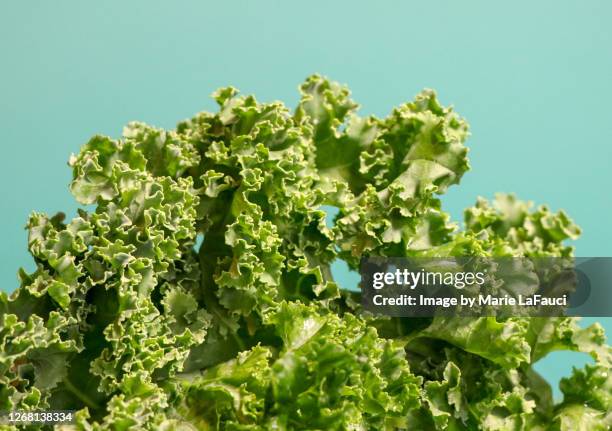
(199, 294)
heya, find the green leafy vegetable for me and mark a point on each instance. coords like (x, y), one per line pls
(128, 322)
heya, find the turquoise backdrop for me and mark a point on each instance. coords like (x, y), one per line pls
(533, 78)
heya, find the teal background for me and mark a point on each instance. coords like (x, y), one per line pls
(532, 78)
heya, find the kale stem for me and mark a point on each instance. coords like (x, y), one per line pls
(81, 395)
(398, 326)
(239, 341)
